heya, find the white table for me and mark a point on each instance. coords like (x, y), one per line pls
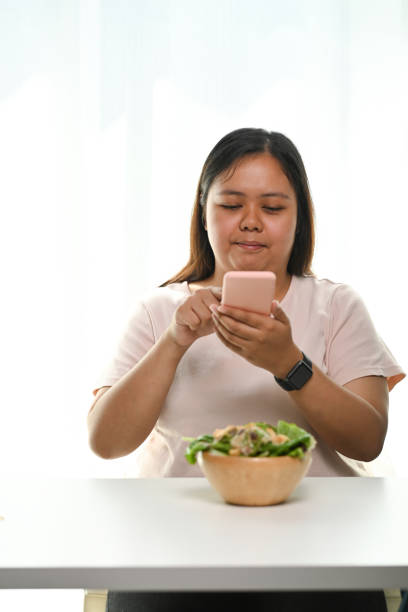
(177, 534)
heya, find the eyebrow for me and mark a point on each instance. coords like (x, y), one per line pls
(271, 194)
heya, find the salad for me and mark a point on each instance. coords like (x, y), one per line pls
(253, 440)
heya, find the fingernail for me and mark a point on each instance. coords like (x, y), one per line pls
(213, 308)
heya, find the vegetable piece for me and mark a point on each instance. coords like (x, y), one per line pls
(253, 440)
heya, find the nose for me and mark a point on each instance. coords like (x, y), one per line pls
(250, 220)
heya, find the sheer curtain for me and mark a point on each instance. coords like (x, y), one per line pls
(107, 112)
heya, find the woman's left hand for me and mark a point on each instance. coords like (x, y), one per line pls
(265, 341)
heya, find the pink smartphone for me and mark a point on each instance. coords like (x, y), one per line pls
(252, 291)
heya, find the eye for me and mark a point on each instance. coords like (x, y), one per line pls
(230, 206)
(273, 209)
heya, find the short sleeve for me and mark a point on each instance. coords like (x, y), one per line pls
(354, 349)
(136, 340)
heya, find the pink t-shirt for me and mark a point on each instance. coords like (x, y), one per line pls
(214, 387)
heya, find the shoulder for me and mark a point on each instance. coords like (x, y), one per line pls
(159, 304)
(339, 303)
(152, 312)
(323, 302)
(316, 283)
(169, 296)
(325, 290)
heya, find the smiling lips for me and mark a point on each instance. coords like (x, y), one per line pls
(250, 245)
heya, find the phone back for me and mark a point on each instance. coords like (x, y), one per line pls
(252, 291)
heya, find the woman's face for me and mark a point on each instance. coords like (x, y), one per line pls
(251, 217)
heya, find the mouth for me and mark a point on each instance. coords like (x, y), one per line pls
(250, 245)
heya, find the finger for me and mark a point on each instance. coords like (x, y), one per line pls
(222, 335)
(205, 296)
(210, 297)
(202, 302)
(232, 326)
(192, 313)
(229, 335)
(252, 319)
(278, 312)
(201, 310)
(188, 319)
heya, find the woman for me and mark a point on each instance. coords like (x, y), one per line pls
(187, 365)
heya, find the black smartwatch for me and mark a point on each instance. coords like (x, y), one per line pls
(298, 375)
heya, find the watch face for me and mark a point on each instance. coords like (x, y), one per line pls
(300, 375)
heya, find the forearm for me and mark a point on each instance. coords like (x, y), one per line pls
(125, 415)
(353, 421)
(345, 421)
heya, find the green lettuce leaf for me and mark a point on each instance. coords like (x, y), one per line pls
(299, 442)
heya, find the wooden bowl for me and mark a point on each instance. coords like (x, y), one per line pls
(253, 481)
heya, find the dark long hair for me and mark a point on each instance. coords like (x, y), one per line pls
(225, 155)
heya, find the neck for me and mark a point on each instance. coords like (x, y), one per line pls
(282, 286)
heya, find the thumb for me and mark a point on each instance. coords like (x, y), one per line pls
(278, 312)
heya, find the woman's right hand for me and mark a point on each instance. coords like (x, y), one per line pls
(193, 318)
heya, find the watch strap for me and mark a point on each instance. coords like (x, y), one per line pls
(298, 376)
